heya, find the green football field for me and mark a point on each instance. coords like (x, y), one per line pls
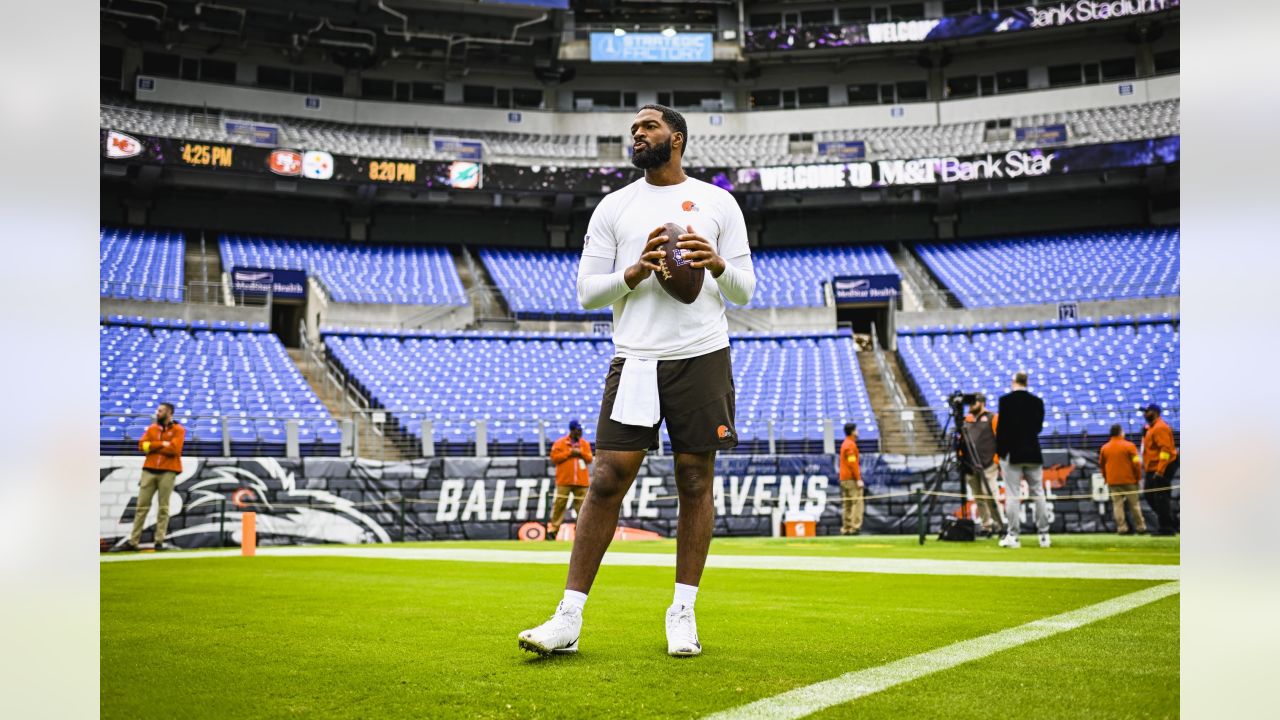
(196, 635)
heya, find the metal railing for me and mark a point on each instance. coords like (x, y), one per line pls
(231, 433)
(194, 292)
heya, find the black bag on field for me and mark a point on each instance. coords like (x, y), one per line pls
(958, 529)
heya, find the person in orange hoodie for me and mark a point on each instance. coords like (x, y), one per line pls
(1160, 462)
(571, 455)
(1119, 462)
(851, 503)
(162, 444)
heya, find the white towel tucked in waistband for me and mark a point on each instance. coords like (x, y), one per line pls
(637, 400)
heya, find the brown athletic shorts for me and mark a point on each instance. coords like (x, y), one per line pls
(696, 398)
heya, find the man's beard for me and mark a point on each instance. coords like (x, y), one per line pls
(652, 156)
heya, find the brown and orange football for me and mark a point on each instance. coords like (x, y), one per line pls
(678, 276)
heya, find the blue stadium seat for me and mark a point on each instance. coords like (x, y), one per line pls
(356, 273)
(1098, 265)
(543, 282)
(208, 375)
(1089, 377)
(514, 382)
(141, 264)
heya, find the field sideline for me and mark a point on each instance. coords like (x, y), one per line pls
(225, 637)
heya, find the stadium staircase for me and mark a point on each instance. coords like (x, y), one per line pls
(202, 269)
(371, 443)
(492, 312)
(920, 289)
(905, 426)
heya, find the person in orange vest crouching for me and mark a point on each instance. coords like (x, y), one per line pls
(1119, 462)
(571, 455)
(162, 444)
(1160, 462)
(851, 501)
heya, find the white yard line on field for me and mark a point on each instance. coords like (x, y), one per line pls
(897, 566)
(851, 686)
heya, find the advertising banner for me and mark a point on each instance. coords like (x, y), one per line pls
(260, 281)
(344, 500)
(865, 288)
(843, 149)
(823, 36)
(691, 47)
(313, 165)
(458, 148)
(1043, 134)
(254, 133)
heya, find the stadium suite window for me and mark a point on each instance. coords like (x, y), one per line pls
(110, 68)
(478, 95)
(765, 99)
(1166, 61)
(424, 92)
(691, 98)
(911, 91)
(865, 94)
(161, 65)
(275, 78)
(606, 98)
(813, 96)
(377, 89)
(526, 98)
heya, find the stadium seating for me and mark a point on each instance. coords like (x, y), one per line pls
(539, 283)
(516, 380)
(245, 378)
(793, 277)
(1089, 376)
(1108, 265)
(1086, 126)
(363, 273)
(141, 264)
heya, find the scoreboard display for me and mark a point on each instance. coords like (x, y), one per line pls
(207, 155)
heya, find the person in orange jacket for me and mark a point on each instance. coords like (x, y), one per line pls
(571, 455)
(1160, 462)
(162, 444)
(1119, 461)
(851, 503)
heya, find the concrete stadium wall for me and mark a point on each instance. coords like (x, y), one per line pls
(253, 100)
(183, 311)
(1047, 311)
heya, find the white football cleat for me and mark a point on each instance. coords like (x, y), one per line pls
(1044, 540)
(559, 635)
(1010, 541)
(682, 632)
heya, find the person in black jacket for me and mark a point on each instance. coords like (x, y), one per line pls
(1018, 445)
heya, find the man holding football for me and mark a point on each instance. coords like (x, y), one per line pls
(672, 363)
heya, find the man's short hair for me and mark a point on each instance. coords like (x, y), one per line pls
(674, 120)
(850, 428)
(168, 405)
(1116, 430)
(1020, 378)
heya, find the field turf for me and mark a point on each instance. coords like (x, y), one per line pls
(379, 638)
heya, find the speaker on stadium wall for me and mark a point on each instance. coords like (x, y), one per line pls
(960, 529)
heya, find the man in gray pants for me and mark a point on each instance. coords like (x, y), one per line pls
(1018, 445)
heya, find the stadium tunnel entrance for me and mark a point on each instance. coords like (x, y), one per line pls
(286, 318)
(868, 318)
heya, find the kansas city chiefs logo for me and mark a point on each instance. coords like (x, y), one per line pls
(120, 145)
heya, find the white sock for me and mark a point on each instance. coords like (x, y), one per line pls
(574, 599)
(685, 595)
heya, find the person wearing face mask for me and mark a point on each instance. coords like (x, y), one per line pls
(1159, 462)
(162, 444)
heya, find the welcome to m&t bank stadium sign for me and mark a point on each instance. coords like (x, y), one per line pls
(1070, 13)
(1013, 165)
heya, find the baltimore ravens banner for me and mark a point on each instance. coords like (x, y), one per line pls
(341, 500)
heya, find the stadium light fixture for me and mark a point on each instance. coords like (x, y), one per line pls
(668, 32)
(619, 32)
